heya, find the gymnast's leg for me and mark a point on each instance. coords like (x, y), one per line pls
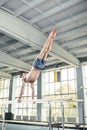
(47, 46)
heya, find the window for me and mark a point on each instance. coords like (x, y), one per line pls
(4, 93)
(60, 84)
(85, 89)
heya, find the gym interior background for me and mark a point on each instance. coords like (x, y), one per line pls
(24, 27)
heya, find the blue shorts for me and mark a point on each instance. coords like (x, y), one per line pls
(39, 64)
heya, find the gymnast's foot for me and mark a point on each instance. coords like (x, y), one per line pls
(53, 33)
(19, 100)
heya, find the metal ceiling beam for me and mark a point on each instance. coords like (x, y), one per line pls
(75, 42)
(83, 47)
(52, 62)
(7, 68)
(81, 55)
(22, 51)
(80, 29)
(67, 21)
(13, 62)
(54, 10)
(29, 57)
(27, 7)
(63, 55)
(5, 75)
(3, 2)
(29, 35)
(11, 45)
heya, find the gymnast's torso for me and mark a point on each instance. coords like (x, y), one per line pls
(32, 75)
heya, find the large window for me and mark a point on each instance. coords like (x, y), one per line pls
(85, 89)
(4, 93)
(24, 111)
(60, 84)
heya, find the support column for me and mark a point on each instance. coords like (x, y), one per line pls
(39, 96)
(80, 94)
(10, 94)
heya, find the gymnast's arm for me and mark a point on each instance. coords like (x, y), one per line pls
(22, 90)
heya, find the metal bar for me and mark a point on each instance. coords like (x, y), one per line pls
(40, 101)
(62, 116)
(50, 116)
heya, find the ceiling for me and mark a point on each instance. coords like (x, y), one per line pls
(25, 26)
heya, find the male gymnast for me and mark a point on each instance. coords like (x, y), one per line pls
(38, 65)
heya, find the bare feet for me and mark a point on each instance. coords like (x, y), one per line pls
(19, 100)
(53, 33)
